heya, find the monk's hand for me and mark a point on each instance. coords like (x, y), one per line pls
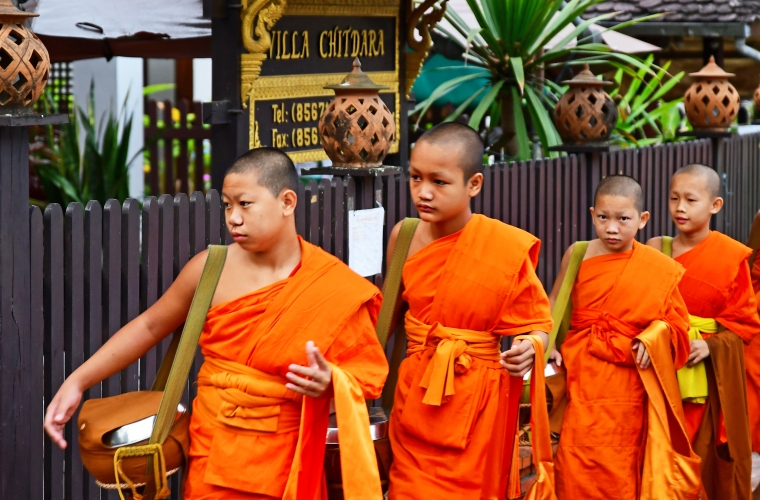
(699, 351)
(518, 360)
(61, 409)
(555, 358)
(313, 380)
(642, 356)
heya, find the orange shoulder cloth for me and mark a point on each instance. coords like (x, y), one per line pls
(489, 276)
(670, 464)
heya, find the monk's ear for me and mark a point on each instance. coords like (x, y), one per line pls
(475, 184)
(644, 218)
(591, 211)
(289, 200)
(717, 204)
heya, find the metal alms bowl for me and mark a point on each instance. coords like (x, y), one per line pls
(136, 431)
(378, 426)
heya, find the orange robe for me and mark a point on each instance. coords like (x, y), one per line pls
(752, 364)
(717, 285)
(448, 425)
(246, 426)
(615, 297)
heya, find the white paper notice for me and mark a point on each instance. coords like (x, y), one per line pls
(365, 241)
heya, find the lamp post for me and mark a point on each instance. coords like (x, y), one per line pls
(24, 70)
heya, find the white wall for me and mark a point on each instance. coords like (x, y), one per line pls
(114, 81)
(202, 80)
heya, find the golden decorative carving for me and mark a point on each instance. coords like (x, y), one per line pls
(259, 16)
(385, 8)
(711, 102)
(254, 135)
(427, 22)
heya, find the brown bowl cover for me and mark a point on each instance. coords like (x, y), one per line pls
(100, 416)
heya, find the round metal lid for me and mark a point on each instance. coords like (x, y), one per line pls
(378, 426)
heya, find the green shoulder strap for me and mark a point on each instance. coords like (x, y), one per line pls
(180, 356)
(667, 245)
(391, 308)
(563, 306)
(392, 288)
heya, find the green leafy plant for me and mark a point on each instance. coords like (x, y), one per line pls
(644, 117)
(98, 172)
(511, 47)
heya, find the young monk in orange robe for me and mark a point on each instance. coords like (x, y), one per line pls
(622, 287)
(469, 280)
(717, 289)
(260, 419)
(752, 365)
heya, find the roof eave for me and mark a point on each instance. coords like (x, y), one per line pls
(700, 29)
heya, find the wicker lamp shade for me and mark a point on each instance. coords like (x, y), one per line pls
(357, 128)
(756, 100)
(585, 113)
(24, 60)
(711, 102)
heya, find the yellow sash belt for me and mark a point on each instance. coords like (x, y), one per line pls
(454, 350)
(247, 399)
(692, 381)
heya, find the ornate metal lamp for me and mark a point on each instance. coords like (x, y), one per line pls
(24, 61)
(357, 128)
(585, 113)
(711, 102)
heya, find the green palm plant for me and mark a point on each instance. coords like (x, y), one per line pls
(511, 48)
(99, 171)
(642, 106)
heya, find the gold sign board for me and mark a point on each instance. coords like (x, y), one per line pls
(295, 48)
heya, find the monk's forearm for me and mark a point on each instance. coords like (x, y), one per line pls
(125, 347)
(544, 338)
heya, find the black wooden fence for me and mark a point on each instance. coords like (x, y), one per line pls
(95, 268)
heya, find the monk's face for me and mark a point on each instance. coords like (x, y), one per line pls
(439, 190)
(691, 205)
(256, 219)
(617, 221)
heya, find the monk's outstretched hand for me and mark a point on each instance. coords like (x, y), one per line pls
(313, 380)
(642, 356)
(699, 351)
(519, 358)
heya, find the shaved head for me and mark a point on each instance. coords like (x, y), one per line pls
(712, 180)
(274, 169)
(621, 185)
(461, 138)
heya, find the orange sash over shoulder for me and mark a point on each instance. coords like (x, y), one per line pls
(670, 465)
(752, 363)
(253, 438)
(604, 432)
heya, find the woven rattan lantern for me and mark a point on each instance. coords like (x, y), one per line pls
(711, 102)
(24, 61)
(586, 113)
(357, 128)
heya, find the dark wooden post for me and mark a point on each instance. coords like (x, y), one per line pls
(17, 472)
(229, 131)
(713, 47)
